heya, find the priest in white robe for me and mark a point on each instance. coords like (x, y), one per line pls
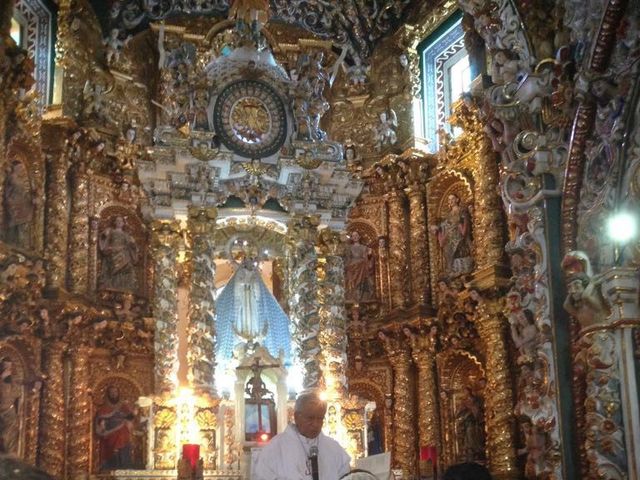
(288, 454)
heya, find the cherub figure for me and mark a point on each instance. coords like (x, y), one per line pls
(114, 45)
(584, 298)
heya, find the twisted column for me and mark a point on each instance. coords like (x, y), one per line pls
(79, 231)
(303, 302)
(419, 245)
(200, 330)
(52, 419)
(404, 435)
(165, 242)
(499, 402)
(399, 272)
(423, 352)
(79, 427)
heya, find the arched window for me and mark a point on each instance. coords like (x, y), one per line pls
(446, 74)
(33, 28)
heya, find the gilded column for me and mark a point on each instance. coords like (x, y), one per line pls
(52, 419)
(79, 426)
(489, 217)
(56, 224)
(419, 244)
(165, 242)
(200, 330)
(499, 402)
(331, 312)
(423, 352)
(399, 273)
(404, 434)
(303, 301)
(79, 230)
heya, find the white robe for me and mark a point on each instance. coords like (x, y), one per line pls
(285, 458)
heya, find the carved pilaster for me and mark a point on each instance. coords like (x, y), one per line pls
(499, 402)
(419, 245)
(400, 279)
(200, 331)
(231, 453)
(79, 231)
(303, 302)
(423, 352)
(79, 426)
(52, 419)
(404, 434)
(56, 226)
(165, 242)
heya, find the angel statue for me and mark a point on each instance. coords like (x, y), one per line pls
(584, 299)
(385, 131)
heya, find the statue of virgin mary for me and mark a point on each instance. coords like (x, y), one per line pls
(246, 311)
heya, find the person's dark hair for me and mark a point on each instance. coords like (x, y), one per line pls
(14, 469)
(467, 471)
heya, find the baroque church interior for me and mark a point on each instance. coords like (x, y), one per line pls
(426, 209)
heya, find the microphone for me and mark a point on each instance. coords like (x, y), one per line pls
(313, 457)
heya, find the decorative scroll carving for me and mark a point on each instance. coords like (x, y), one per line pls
(303, 303)
(200, 333)
(165, 243)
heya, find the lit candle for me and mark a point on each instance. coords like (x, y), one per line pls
(191, 452)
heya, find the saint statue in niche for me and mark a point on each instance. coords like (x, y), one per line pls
(119, 255)
(469, 428)
(114, 424)
(358, 272)
(454, 238)
(9, 408)
(18, 206)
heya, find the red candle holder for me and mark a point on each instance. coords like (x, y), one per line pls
(191, 452)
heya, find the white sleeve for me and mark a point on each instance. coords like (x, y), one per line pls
(264, 467)
(345, 463)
